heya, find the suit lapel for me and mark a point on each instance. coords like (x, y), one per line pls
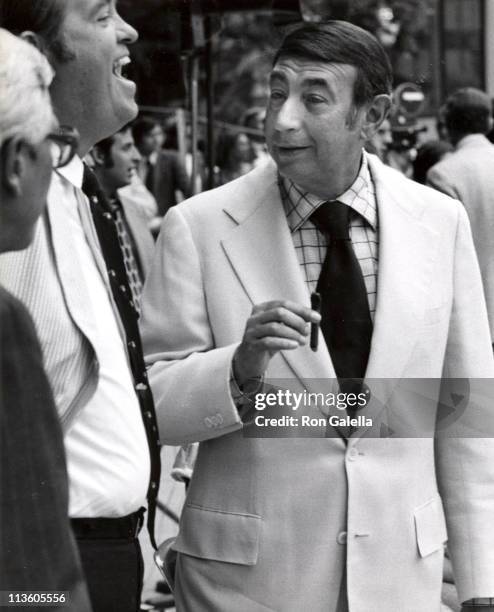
(140, 233)
(407, 250)
(260, 250)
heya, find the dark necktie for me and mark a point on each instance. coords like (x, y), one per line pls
(346, 323)
(107, 232)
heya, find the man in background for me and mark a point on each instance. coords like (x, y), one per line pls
(161, 170)
(115, 163)
(75, 281)
(466, 174)
(37, 547)
(381, 141)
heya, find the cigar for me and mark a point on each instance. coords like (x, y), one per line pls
(315, 304)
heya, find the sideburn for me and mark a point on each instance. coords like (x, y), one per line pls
(351, 118)
(61, 51)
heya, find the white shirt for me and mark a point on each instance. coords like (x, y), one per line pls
(107, 452)
(139, 196)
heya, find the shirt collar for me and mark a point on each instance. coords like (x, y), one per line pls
(73, 171)
(299, 204)
(470, 139)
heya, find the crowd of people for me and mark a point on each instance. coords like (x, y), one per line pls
(135, 314)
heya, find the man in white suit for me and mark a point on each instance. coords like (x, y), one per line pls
(339, 520)
(467, 175)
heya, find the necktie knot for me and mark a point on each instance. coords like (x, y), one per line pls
(333, 218)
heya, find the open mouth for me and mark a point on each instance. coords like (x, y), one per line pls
(120, 67)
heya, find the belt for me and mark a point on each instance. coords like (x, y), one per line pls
(126, 527)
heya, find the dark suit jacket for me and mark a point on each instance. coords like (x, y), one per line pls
(169, 175)
(37, 549)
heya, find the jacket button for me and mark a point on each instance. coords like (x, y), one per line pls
(352, 454)
(342, 537)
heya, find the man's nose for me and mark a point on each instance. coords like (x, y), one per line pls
(289, 116)
(125, 32)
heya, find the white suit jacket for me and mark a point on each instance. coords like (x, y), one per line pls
(467, 174)
(268, 523)
(140, 232)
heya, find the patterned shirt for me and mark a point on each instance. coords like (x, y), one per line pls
(311, 244)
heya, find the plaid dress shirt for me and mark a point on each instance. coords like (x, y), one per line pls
(311, 244)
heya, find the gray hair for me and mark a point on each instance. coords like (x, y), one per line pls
(25, 105)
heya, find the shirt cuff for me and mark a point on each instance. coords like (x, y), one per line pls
(244, 396)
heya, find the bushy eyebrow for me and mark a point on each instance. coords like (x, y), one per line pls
(277, 75)
(315, 82)
(101, 4)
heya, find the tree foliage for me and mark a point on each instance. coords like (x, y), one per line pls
(244, 48)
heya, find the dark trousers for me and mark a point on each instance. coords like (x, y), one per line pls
(114, 570)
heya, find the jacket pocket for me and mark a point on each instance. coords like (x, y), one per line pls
(430, 526)
(230, 537)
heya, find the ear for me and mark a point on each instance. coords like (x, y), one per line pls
(13, 165)
(375, 114)
(98, 157)
(32, 39)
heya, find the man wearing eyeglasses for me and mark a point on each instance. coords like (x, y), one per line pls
(37, 548)
(75, 280)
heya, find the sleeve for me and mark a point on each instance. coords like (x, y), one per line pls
(189, 375)
(37, 547)
(465, 452)
(436, 179)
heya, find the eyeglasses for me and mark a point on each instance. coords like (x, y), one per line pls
(64, 145)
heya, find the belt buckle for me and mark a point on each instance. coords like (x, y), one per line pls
(138, 523)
